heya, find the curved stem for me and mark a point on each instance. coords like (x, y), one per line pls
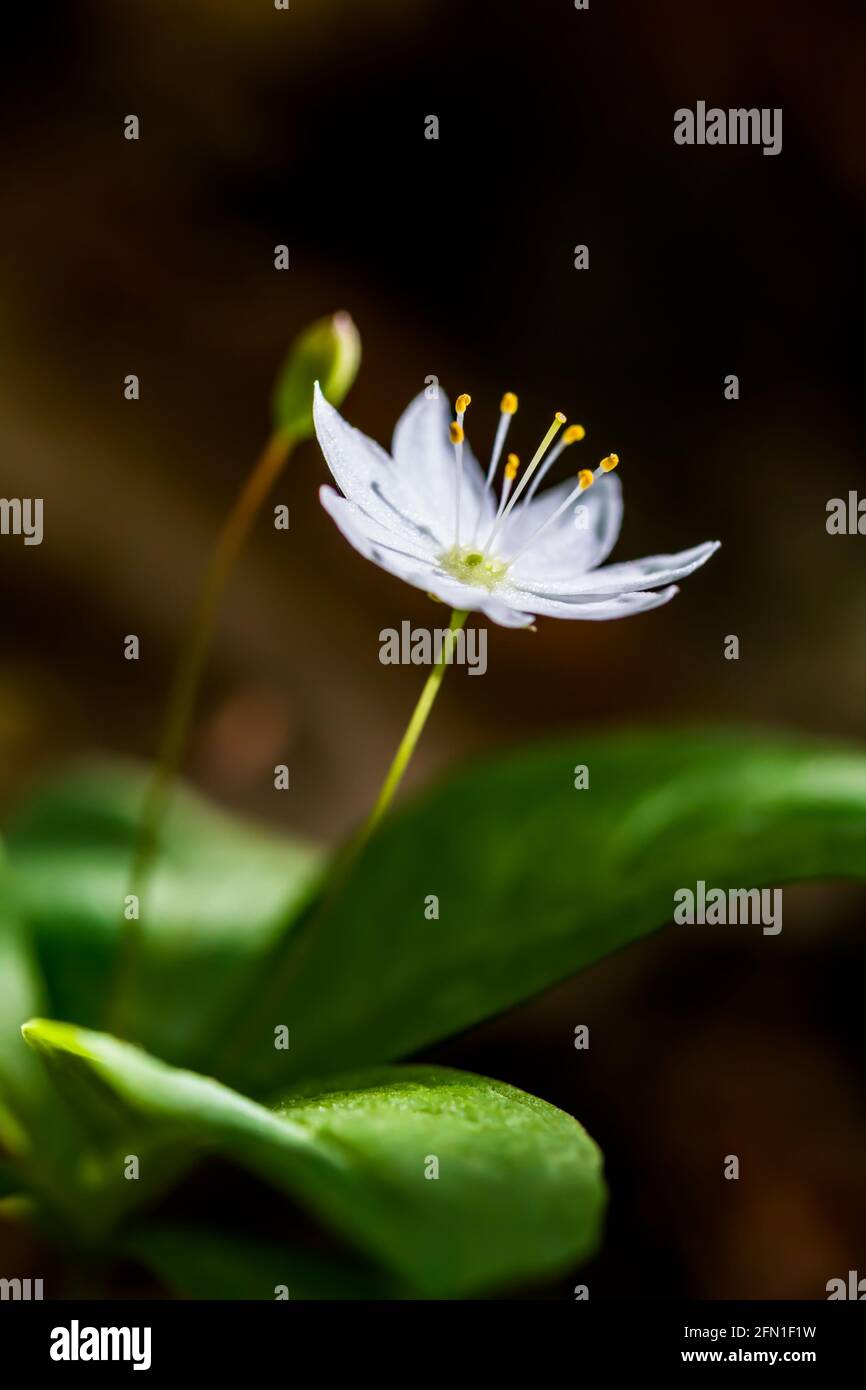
(181, 702)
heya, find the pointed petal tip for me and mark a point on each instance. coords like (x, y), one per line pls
(328, 496)
(326, 417)
(709, 549)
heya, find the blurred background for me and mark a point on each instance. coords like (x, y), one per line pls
(455, 258)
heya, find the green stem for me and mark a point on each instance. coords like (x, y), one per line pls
(351, 852)
(414, 730)
(180, 707)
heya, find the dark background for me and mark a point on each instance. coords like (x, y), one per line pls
(456, 259)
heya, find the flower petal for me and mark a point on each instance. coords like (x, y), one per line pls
(589, 610)
(424, 454)
(411, 564)
(366, 474)
(398, 553)
(458, 595)
(649, 573)
(566, 546)
(502, 614)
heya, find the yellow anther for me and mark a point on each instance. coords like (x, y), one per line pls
(508, 404)
(559, 417)
(456, 433)
(573, 434)
(609, 464)
(585, 477)
(463, 403)
(511, 467)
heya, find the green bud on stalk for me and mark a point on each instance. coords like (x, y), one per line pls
(329, 351)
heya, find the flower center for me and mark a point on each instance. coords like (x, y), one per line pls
(472, 566)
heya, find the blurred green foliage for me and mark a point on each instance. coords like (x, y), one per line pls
(536, 879)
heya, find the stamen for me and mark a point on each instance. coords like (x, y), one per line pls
(510, 474)
(507, 408)
(463, 404)
(572, 435)
(457, 437)
(585, 480)
(558, 422)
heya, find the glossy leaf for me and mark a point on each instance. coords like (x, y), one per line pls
(536, 880)
(518, 1194)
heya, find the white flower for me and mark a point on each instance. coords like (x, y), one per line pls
(428, 514)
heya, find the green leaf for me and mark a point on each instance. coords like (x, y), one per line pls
(329, 351)
(38, 1136)
(206, 1264)
(219, 897)
(519, 1192)
(536, 880)
(20, 1081)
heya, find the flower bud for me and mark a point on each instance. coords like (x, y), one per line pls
(329, 351)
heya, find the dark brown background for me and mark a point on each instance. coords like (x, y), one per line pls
(455, 258)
